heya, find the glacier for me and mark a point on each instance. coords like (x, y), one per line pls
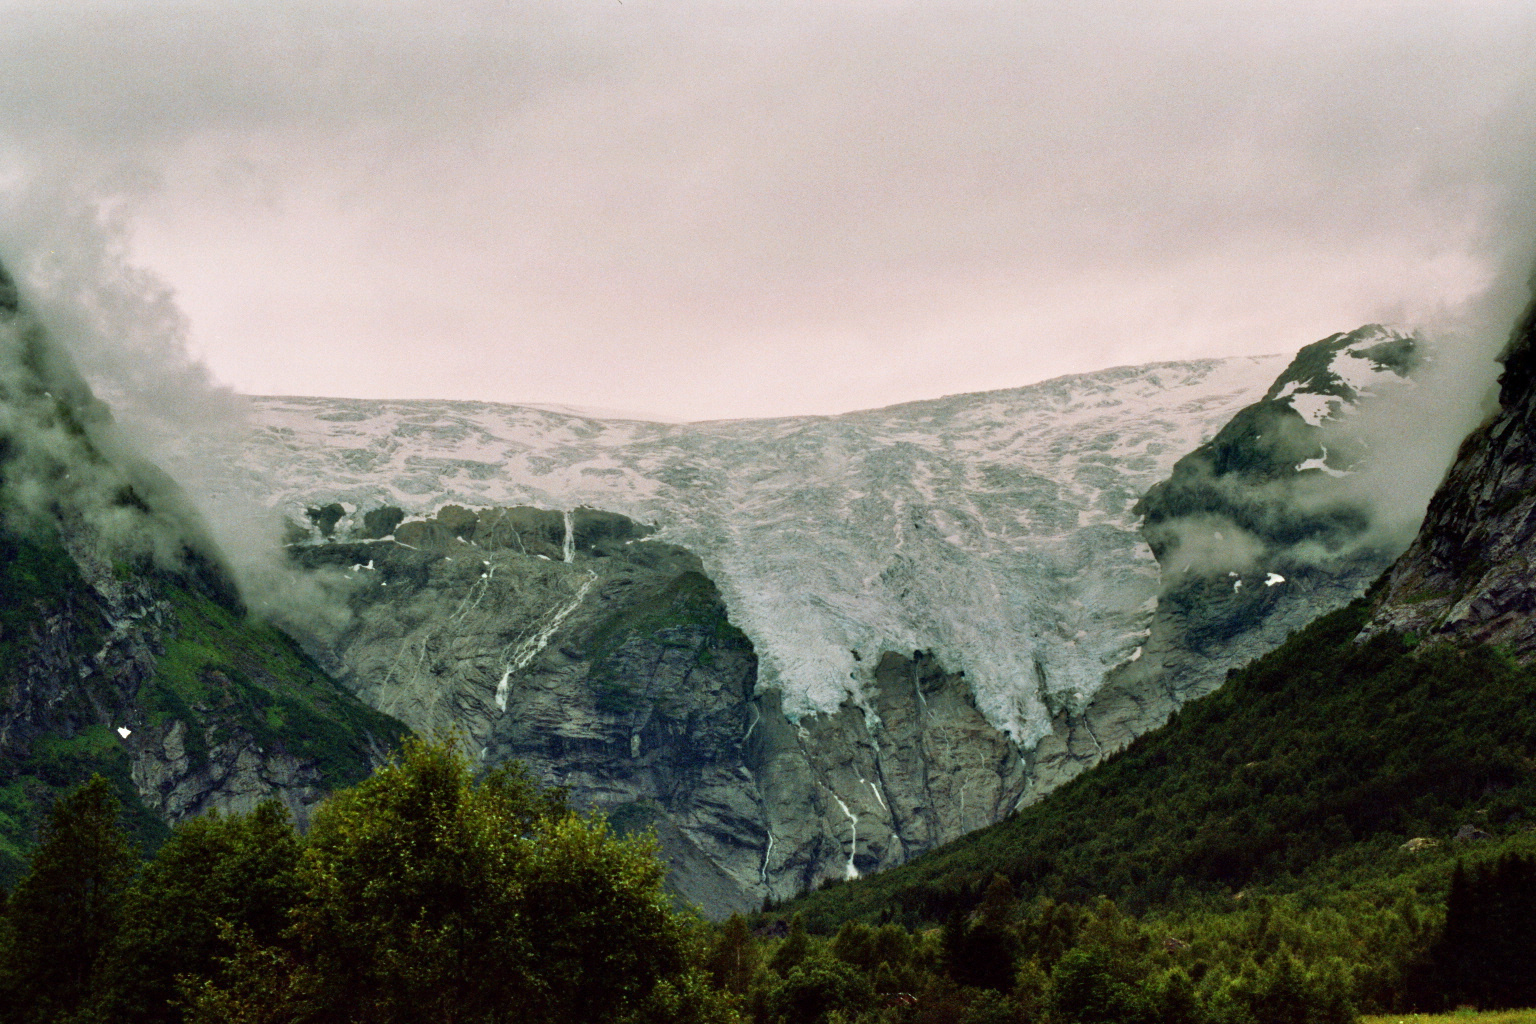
(994, 530)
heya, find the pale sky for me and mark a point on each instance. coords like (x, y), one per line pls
(706, 208)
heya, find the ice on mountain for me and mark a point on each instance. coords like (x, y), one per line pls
(1357, 370)
(1315, 408)
(994, 530)
(1321, 462)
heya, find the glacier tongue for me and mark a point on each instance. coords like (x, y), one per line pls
(993, 529)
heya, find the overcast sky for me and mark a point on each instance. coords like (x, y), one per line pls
(706, 208)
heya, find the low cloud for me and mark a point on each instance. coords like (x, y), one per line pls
(100, 344)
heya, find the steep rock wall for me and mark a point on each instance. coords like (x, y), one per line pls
(605, 662)
(124, 648)
(1257, 532)
(1470, 575)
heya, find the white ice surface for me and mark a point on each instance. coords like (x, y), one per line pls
(1316, 408)
(994, 529)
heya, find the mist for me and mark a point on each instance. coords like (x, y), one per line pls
(108, 340)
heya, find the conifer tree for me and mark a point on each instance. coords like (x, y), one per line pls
(66, 909)
(1485, 954)
(216, 875)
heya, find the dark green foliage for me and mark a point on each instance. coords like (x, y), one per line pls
(405, 910)
(894, 959)
(380, 522)
(213, 874)
(66, 910)
(980, 951)
(1262, 834)
(795, 947)
(58, 763)
(1320, 758)
(1089, 986)
(326, 517)
(427, 895)
(1286, 991)
(423, 895)
(1487, 954)
(733, 958)
(37, 578)
(817, 987)
(217, 671)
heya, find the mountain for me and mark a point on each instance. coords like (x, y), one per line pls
(1256, 532)
(1355, 762)
(125, 648)
(801, 648)
(1345, 771)
(994, 530)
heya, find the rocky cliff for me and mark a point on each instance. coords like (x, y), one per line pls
(995, 530)
(124, 648)
(1256, 532)
(606, 662)
(1470, 575)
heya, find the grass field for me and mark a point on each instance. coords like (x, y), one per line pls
(1459, 1017)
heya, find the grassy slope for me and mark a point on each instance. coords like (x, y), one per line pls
(1304, 773)
(218, 667)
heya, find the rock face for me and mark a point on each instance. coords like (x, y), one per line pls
(86, 692)
(124, 648)
(233, 775)
(1469, 575)
(605, 661)
(1257, 532)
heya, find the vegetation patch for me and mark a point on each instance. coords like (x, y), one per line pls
(686, 614)
(1307, 771)
(252, 676)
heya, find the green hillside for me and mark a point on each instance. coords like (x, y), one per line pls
(1306, 773)
(70, 677)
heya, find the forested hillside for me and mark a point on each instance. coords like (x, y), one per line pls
(1310, 768)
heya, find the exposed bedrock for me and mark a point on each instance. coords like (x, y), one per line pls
(617, 674)
(1470, 575)
(1256, 532)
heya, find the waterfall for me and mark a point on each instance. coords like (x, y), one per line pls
(853, 843)
(517, 655)
(568, 548)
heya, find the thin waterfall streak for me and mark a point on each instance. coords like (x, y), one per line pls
(853, 842)
(518, 655)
